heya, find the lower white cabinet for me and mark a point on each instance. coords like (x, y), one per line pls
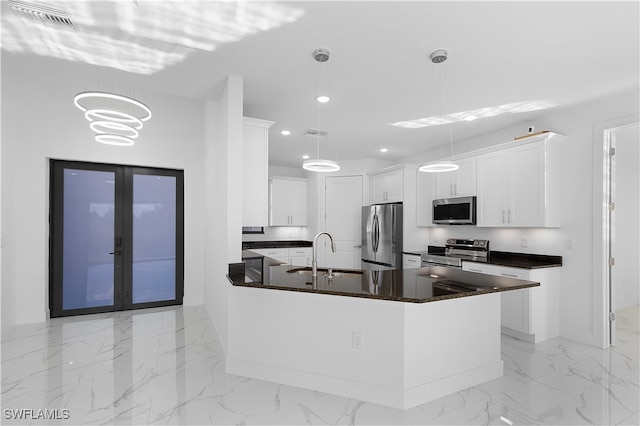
(300, 256)
(411, 261)
(296, 256)
(531, 314)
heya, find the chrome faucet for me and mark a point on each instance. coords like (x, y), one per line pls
(314, 263)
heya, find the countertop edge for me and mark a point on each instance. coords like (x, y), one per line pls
(377, 297)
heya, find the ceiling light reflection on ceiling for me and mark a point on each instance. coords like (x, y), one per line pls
(513, 108)
(144, 37)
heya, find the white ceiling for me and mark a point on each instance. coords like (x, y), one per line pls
(562, 53)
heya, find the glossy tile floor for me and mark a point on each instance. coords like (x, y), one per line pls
(165, 366)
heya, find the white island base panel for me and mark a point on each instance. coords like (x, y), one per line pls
(391, 353)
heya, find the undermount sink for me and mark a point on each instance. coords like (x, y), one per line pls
(325, 271)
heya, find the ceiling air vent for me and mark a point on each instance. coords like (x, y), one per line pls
(316, 132)
(42, 13)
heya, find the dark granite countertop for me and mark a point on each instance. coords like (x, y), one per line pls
(419, 285)
(524, 260)
(248, 245)
(506, 258)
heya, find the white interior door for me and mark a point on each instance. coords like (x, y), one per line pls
(343, 210)
(624, 221)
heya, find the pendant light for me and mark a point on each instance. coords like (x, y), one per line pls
(438, 57)
(116, 119)
(321, 56)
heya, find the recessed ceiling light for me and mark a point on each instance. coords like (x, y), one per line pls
(323, 99)
(384, 149)
(305, 157)
(285, 132)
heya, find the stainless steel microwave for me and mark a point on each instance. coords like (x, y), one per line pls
(455, 211)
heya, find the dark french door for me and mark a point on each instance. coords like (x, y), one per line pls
(116, 238)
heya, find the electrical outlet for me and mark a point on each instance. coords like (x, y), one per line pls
(356, 340)
(524, 242)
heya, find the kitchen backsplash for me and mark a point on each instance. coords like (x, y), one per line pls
(279, 233)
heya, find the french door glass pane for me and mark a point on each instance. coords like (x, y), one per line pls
(89, 221)
(154, 238)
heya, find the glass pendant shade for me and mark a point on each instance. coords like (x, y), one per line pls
(438, 167)
(319, 165)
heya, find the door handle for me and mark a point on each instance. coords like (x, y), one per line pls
(358, 246)
(115, 252)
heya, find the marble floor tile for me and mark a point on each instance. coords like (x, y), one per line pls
(166, 366)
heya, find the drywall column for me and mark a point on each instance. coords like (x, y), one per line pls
(235, 125)
(223, 198)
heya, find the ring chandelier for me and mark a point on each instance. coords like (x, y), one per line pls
(113, 126)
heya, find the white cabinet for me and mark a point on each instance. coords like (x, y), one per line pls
(255, 172)
(296, 256)
(425, 194)
(288, 202)
(281, 254)
(532, 314)
(459, 183)
(411, 261)
(517, 186)
(386, 186)
(300, 256)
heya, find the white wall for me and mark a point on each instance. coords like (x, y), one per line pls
(43, 123)
(626, 232)
(579, 288)
(223, 205)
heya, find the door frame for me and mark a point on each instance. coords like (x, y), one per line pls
(123, 224)
(601, 236)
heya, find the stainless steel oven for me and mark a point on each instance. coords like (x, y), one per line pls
(455, 251)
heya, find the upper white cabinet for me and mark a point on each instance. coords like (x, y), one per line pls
(518, 186)
(425, 194)
(387, 186)
(255, 167)
(459, 183)
(288, 202)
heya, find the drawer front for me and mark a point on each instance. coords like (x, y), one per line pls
(300, 251)
(411, 261)
(281, 254)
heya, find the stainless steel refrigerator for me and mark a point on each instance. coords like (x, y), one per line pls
(382, 236)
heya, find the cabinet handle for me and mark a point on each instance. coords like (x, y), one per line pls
(509, 275)
(503, 216)
(451, 189)
(509, 215)
(455, 189)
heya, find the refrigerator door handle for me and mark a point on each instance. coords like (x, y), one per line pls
(393, 227)
(375, 235)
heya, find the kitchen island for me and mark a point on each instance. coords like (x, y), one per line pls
(398, 338)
